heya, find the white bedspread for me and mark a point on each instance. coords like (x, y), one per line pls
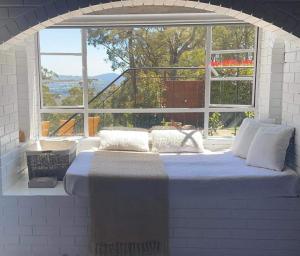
(206, 174)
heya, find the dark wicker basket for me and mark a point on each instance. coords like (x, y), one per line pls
(50, 158)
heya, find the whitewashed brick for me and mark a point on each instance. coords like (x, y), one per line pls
(289, 78)
(11, 80)
(17, 230)
(17, 212)
(45, 251)
(34, 240)
(72, 230)
(61, 221)
(62, 202)
(9, 239)
(295, 67)
(297, 99)
(46, 230)
(17, 250)
(33, 202)
(74, 250)
(45, 211)
(29, 220)
(297, 77)
(290, 56)
(79, 211)
(61, 240)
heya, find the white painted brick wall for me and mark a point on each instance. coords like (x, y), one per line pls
(291, 98)
(58, 225)
(275, 104)
(270, 76)
(22, 87)
(198, 226)
(8, 101)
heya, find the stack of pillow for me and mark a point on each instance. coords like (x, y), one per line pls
(263, 144)
(158, 140)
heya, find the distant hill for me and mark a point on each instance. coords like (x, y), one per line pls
(108, 77)
(99, 82)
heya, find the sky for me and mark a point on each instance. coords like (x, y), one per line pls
(69, 41)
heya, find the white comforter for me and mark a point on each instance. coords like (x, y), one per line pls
(207, 174)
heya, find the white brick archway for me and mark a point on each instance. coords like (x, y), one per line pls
(178, 3)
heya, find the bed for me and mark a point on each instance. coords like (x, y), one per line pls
(218, 205)
(218, 174)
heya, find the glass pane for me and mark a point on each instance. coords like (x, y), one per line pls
(223, 72)
(61, 81)
(113, 50)
(231, 92)
(61, 124)
(226, 124)
(60, 40)
(232, 59)
(154, 88)
(144, 120)
(230, 37)
(232, 65)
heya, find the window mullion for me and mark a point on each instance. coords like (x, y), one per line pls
(85, 81)
(40, 89)
(255, 68)
(208, 47)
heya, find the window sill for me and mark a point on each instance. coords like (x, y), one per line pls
(20, 188)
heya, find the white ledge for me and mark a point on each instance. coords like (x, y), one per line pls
(20, 188)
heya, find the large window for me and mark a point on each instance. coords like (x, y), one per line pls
(196, 76)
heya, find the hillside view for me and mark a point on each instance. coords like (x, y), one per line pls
(181, 53)
(63, 83)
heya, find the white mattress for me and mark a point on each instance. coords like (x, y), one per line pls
(206, 174)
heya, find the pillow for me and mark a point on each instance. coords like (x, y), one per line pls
(239, 134)
(176, 141)
(127, 140)
(269, 146)
(244, 124)
(246, 136)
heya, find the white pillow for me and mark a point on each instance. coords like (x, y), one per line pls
(268, 148)
(176, 141)
(239, 134)
(246, 136)
(124, 140)
(242, 128)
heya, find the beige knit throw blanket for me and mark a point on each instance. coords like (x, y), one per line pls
(129, 204)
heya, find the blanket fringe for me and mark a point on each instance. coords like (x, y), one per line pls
(147, 248)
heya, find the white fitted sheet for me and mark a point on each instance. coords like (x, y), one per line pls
(205, 174)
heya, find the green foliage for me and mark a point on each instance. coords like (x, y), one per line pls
(215, 123)
(148, 46)
(161, 46)
(233, 37)
(75, 97)
(249, 114)
(48, 74)
(231, 92)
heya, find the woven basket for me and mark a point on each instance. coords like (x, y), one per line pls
(50, 158)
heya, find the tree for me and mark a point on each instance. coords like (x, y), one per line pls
(49, 99)
(215, 123)
(149, 47)
(160, 46)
